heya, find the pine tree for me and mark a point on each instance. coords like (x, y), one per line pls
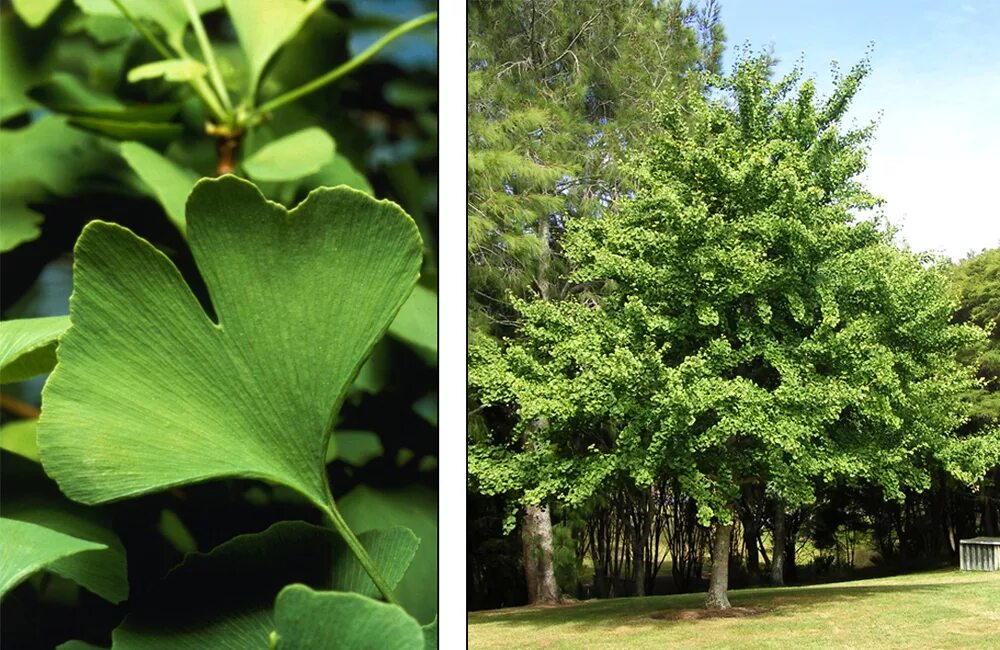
(557, 91)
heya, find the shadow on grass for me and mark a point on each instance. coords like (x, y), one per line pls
(670, 610)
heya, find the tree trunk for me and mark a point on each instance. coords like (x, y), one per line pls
(778, 555)
(718, 586)
(641, 525)
(751, 529)
(536, 539)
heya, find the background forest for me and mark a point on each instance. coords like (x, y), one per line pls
(692, 332)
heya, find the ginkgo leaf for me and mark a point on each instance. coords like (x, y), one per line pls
(18, 437)
(150, 393)
(18, 223)
(340, 171)
(169, 182)
(28, 346)
(306, 619)
(415, 507)
(169, 15)
(292, 156)
(101, 571)
(225, 598)
(28, 548)
(263, 26)
(170, 69)
(65, 93)
(351, 447)
(125, 129)
(416, 323)
(35, 12)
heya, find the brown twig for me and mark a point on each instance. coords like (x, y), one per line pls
(18, 408)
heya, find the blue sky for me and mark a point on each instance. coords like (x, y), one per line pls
(936, 83)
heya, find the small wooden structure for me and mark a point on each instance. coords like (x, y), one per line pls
(979, 554)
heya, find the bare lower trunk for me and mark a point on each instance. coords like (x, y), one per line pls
(718, 586)
(643, 524)
(536, 539)
(778, 555)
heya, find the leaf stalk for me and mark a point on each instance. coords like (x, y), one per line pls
(359, 551)
(346, 67)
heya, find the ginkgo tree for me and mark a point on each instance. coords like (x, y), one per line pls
(751, 327)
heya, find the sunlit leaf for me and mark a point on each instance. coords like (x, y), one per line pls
(151, 393)
(169, 15)
(19, 437)
(28, 346)
(263, 26)
(35, 12)
(293, 156)
(171, 70)
(304, 618)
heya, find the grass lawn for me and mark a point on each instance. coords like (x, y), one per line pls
(941, 609)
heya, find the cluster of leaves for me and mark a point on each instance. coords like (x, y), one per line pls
(749, 329)
(223, 380)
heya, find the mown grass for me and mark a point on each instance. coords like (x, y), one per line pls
(941, 609)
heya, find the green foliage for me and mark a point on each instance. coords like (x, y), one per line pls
(307, 619)
(296, 155)
(29, 547)
(101, 570)
(553, 99)
(227, 598)
(749, 328)
(28, 346)
(217, 338)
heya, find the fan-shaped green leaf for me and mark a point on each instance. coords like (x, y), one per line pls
(224, 599)
(150, 393)
(169, 182)
(309, 620)
(263, 26)
(415, 507)
(28, 346)
(293, 156)
(100, 571)
(169, 15)
(27, 548)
